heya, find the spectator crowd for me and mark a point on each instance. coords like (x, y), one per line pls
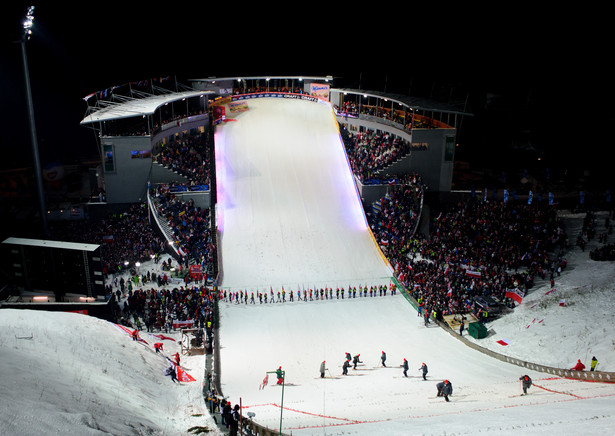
(369, 152)
(188, 155)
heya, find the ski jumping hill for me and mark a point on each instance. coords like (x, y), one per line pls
(289, 214)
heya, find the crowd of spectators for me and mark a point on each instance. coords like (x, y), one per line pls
(369, 152)
(395, 222)
(160, 309)
(188, 155)
(125, 237)
(475, 248)
(589, 230)
(190, 225)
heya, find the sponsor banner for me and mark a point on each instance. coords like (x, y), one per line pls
(182, 324)
(276, 95)
(238, 106)
(320, 90)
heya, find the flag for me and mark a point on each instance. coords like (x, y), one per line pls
(562, 302)
(551, 291)
(450, 292)
(264, 383)
(473, 273)
(163, 337)
(182, 375)
(515, 294)
(503, 342)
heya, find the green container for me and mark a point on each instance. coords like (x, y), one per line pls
(477, 330)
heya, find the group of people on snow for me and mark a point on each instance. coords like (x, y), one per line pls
(242, 297)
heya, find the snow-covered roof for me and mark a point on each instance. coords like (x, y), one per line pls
(133, 107)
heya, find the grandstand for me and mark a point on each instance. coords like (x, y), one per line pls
(133, 121)
(157, 136)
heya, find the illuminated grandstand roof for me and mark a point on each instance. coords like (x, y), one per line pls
(414, 103)
(126, 107)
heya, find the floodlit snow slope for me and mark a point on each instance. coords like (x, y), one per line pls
(287, 202)
(298, 336)
(71, 374)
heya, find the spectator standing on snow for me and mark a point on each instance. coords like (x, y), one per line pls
(322, 369)
(405, 367)
(383, 358)
(579, 366)
(461, 327)
(594, 363)
(226, 413)
(234, 421)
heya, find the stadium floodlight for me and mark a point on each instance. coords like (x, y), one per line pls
(27, 24)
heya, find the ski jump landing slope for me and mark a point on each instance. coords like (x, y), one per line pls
(288, 211)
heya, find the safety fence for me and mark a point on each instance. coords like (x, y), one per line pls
(596, 376)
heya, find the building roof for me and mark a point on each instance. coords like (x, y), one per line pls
(127, 107)
(414, 103)
(51, 244)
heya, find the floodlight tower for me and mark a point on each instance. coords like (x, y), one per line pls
(27, 27)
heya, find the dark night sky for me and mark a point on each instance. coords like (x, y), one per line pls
(521, 89)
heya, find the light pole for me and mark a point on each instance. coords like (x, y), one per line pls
(281, 374)
(27, 26)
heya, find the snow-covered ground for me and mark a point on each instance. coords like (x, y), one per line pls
(68, 373)
(65, 373)
(375, 400)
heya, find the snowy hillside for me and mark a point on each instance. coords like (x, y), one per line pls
(541, 330)
(67, 373)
